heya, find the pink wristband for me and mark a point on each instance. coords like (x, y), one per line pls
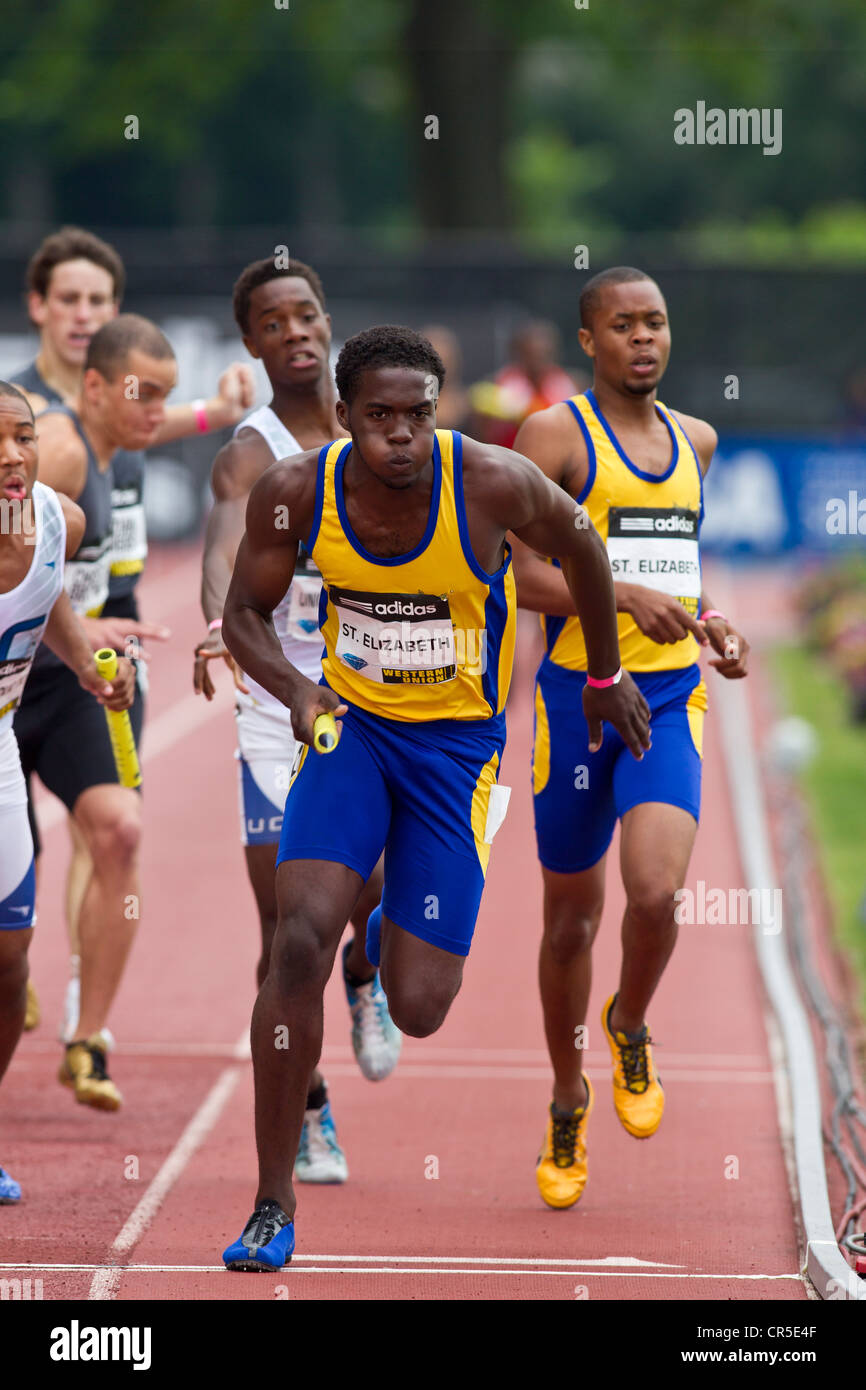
(712, 613)
(214, 624)
(201, 417)
(608, 680)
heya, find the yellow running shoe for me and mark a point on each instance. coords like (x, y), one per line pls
(83, 1068)
(637, 1091)
(33, 1013)
(562, 1169)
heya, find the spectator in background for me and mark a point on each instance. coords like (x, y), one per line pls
(532, 380)
(453, 410)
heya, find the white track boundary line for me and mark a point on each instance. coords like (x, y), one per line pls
(825, 1264)
(523, 1268)
(106, 1281)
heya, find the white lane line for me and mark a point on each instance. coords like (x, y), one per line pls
(106, 1281)
(334, 1056)
(423, 1072)
(825, 1263)
(523, 1267)
(162, 733)
(608, 1261)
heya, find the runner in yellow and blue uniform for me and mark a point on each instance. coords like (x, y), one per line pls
(407, 525)
(638, 469)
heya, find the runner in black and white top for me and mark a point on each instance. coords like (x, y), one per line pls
(75, 284)
(281, 315)
(39, 528)
(61, 732)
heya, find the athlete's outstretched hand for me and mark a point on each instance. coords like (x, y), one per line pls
(310, 700)
(731, 646)
(124, 635)
(210, 649)
(660, 617)
(623, 706)
(116, 694)
(236, 393)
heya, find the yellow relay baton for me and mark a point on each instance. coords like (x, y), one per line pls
(325, 736)
(119, 727)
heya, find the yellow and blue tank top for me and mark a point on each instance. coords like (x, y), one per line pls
(650, 524)
(426, 635)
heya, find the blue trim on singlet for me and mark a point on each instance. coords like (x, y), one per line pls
(700, 471)
(431, 519)
(463, 524)
(24, 626)
(639, 472)
(590, 451)
(320, 498)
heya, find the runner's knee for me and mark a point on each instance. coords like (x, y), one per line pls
(417, 1012)
(651, 902)
(115, 840)
(298, 958)
(14, 968)
(570, 929)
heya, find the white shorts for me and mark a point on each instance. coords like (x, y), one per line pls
(17, 875)
(265, 755)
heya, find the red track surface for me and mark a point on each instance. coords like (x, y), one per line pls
(659, 1219)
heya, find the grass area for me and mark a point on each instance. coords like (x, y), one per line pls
(835, 784)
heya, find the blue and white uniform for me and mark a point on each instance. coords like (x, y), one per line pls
(266, 744)
(24, 612)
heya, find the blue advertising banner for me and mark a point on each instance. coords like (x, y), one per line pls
(764, 496)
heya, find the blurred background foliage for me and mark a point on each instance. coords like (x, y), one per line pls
(555, 123)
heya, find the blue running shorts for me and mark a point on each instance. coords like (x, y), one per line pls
(579, 795)
(427, 793)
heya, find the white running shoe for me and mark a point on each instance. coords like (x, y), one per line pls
(320, 1158)
(72, 1009)
(376, 1039)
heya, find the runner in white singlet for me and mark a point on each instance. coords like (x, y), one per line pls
(38, 530)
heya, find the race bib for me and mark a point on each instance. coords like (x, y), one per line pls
(15, 669)
(86, 579)
(128, 539)
(302, 619)
(395, 639)
(658, 548)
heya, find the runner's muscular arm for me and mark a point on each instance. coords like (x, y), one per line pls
(551, 439)
(263, 571)
(547, 519)
(62, 456)
(236, 393)
(731, 645)
(66, 637)
(237, 466)
(75, 524)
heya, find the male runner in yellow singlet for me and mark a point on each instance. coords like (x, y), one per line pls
(407, 526)
(638, 468)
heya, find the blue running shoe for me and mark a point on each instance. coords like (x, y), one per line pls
(320, 1158)
(267, 1242)
(376, 1040)
(10, 1190)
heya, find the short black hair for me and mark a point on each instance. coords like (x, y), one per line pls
(388, 345)
(8, 389)
(109, 349)
(591, 292)
(259, 273)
